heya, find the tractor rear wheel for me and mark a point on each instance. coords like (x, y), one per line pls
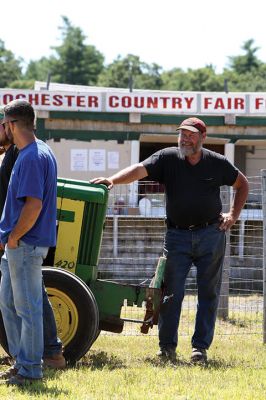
(75, 310)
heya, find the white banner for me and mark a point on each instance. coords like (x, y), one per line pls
(142, 102)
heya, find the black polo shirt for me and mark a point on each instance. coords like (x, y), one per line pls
(5, 172)
(192, 191)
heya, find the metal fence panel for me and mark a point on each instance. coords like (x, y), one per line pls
(133, 241)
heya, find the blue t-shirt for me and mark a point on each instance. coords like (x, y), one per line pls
(34, 175)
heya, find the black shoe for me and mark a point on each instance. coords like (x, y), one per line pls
(199, 355)
(167, 354)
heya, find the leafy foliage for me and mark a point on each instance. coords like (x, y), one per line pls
(10, 67)
(75, 62)
(202, 79)
(247, 62)
(130, 72)
(40, 69)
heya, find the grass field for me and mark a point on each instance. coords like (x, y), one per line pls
(126, 367)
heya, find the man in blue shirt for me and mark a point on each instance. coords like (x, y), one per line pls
(52, 356)
(27, 230)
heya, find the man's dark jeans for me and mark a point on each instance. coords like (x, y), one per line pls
(52, 343)
(205, 249)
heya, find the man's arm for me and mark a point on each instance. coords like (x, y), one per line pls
(126, 175)
(241, 194)
(29, 215)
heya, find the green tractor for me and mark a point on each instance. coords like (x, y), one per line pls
(83, 304)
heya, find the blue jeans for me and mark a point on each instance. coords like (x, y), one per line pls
(204, 248)
(21, 303)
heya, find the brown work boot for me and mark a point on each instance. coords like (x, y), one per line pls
(56, 361)
(8, 373)
(19, 380)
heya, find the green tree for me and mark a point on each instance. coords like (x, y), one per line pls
(76, 62)
(205, 80)
(10, 67)
(130, 71)
(251, 81)
(22, 84)
(73, 62)
(175, 79)
(39, 69)
(201, 79)
(247, 62)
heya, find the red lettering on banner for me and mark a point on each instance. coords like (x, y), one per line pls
(207, 102)
(227, 103)
(113, 101)
(259, 101)
(138, 102)
(176, 102)
(80, 101)
(45, 99)
(126, 101)
(58, 100)
(152, 102)
(34, 99)
(219, 103)
(93, 101)
(189, 101)
(69, 100)
(7, 98)
(239, 102)
(20, 96)
(165, 100)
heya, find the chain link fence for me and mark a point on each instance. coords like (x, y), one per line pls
(133, 241)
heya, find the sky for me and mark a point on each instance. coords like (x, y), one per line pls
(171, 33)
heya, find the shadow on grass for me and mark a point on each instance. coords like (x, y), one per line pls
(181, 362)
(6, 360)
(100, 360)
(40, 388)
(157, 362)
(238, 323)
(222, 364)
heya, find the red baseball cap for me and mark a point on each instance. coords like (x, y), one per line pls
(193, 124)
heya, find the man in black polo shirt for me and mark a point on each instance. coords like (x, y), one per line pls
(192, 177)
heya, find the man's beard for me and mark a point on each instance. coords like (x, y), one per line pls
(4, 142)
(10, 136)
(187, 151)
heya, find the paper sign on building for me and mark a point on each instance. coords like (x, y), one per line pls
(79, 160)
(97, 160)
(113, 160)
